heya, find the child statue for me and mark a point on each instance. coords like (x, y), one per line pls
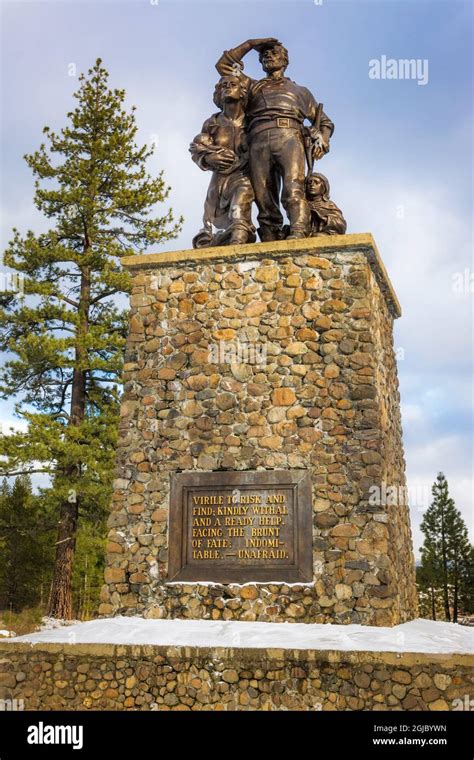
(326, 217)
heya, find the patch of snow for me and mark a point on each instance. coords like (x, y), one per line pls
(240, 585)
(245, 266)
(416, 636)
(50, 623)
(7, 634)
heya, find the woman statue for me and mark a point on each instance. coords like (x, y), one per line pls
(221, 147)
(326, 217)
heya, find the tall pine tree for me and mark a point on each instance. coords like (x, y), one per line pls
(446, 551)
(459, 558)
(67, 334)
(466, 589)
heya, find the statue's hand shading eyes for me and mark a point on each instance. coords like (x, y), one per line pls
(259, 44)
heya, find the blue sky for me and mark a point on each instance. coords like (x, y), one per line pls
(400, 164)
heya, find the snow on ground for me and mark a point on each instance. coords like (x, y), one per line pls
(415, 636)
(49, 623)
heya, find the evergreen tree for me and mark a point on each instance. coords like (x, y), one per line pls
(446, 550)
(460, 559)
(428, 588)
(25, 546)
(466, 586)
(67, 334)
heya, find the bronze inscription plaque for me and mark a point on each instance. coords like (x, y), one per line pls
(236, 527)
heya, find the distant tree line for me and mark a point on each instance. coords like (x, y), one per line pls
(28, 527)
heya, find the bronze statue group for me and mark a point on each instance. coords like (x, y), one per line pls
(259, 150)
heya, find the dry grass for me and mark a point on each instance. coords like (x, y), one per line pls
(26, 621)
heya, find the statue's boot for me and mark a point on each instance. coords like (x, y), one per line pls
(267, 233)
(299, 214)
(296, 234)
(239, 237)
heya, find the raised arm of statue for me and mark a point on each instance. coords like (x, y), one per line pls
(230, 61)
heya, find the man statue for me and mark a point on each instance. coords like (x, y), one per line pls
(276, 109)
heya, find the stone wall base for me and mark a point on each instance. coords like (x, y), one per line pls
(117, 677)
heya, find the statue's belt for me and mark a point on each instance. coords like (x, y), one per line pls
(282, 122)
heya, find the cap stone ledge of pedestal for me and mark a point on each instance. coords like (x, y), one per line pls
(362, 242)
(181, 651)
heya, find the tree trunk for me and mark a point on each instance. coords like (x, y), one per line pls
(447, 613)
(433, 603)
(456, 591)
(60, 600)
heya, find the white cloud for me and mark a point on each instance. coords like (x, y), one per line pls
(411, 412)
(16, 424)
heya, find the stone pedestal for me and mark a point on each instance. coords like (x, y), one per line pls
(275, 356)
(222, 678)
